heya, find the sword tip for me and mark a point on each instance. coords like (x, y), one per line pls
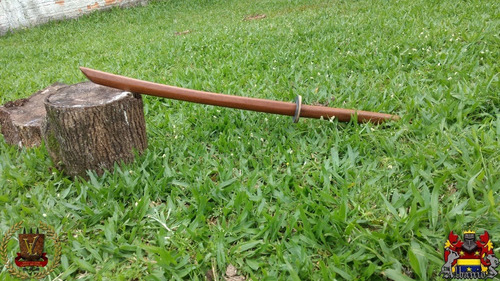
(87, 72)
(84, 70)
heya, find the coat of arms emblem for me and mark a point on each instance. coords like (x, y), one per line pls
(31, 250)
(31, 257)
(470, 258)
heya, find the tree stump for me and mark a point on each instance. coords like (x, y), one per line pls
(21, 120)
(92, 127)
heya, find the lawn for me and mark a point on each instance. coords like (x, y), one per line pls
(316, 200)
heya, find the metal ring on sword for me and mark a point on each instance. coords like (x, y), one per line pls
(298, 107)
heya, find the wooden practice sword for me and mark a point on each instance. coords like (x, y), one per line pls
(296, 109)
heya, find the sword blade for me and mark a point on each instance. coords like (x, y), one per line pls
(245, 103)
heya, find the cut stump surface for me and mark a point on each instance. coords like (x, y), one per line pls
(21, 120)
(92, 127)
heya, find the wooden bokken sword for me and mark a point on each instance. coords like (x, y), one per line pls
(296, 109)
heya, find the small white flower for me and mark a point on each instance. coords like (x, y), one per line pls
(44, 215)
(136, 203)
(290, 151)
(389, 166)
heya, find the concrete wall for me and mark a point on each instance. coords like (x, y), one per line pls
(24, 13)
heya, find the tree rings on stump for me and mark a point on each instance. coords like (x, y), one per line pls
(92, 127)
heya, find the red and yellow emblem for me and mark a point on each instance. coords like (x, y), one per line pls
(470, 258)
(31, 252)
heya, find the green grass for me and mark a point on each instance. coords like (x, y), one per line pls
(280, 201)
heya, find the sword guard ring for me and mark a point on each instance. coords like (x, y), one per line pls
(298, 107)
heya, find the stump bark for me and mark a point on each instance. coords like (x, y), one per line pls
(92, 127)
(21, 120)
